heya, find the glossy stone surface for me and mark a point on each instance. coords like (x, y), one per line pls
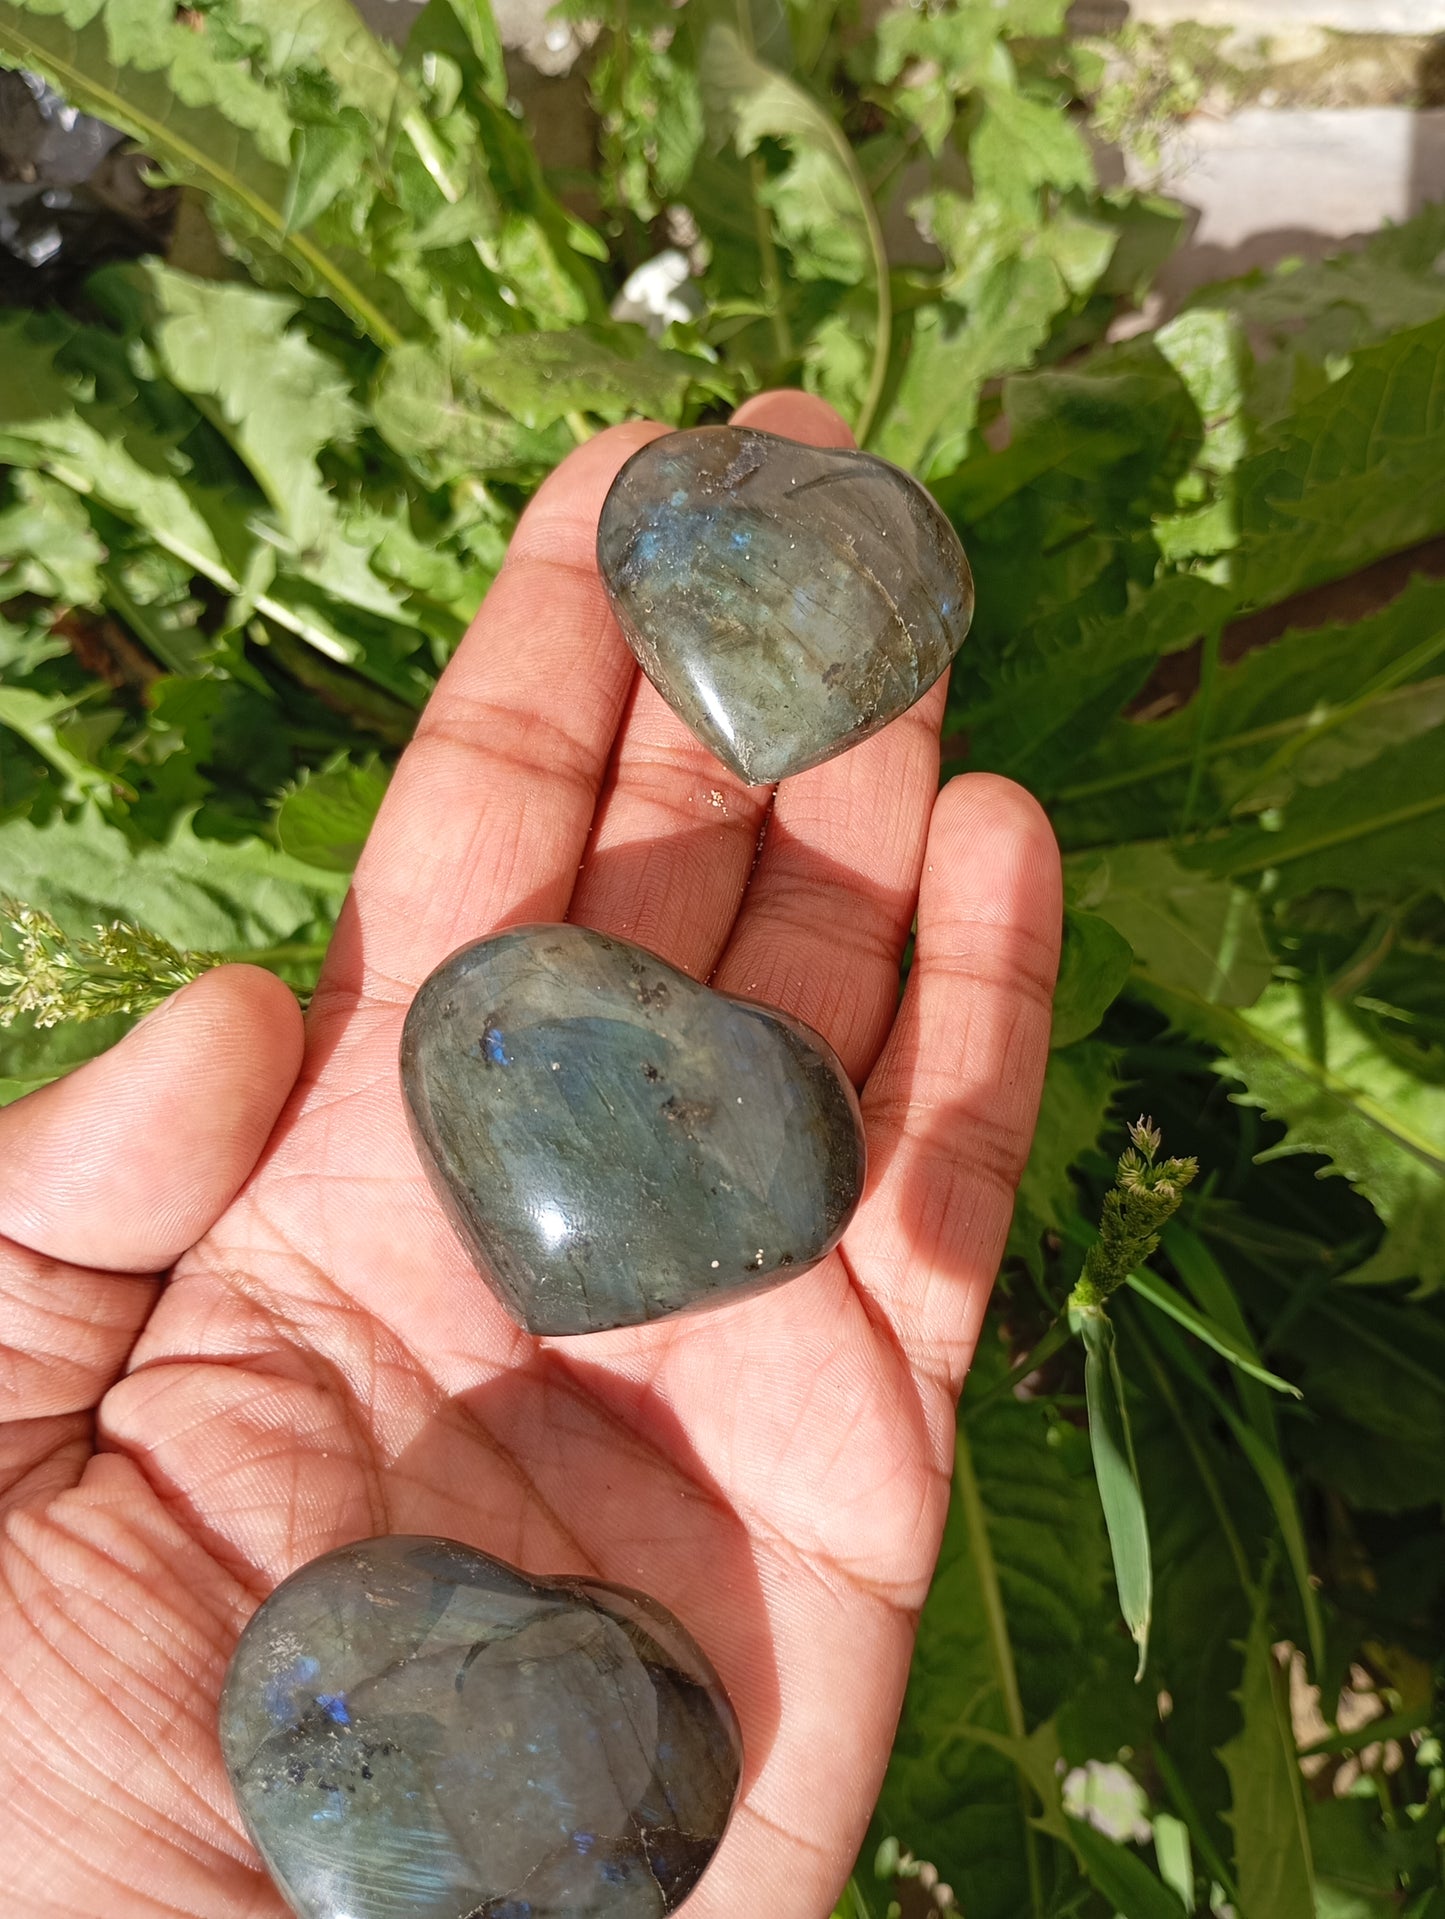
(615, 1142)
(787, 601)
(415, 1730)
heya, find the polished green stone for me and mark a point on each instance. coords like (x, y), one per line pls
(415, 1730)
(787, 601)
(615, 1142)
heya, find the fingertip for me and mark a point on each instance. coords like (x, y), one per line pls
(796, 416)
(991, 848)
(125, 1162)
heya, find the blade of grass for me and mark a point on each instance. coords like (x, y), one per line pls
(1147, 1286)
(1117, 1473)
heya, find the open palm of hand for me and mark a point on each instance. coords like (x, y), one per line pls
(322, 1364)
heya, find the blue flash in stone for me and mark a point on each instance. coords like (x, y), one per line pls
(652, 1146)
(787, 601)
(500, 1751)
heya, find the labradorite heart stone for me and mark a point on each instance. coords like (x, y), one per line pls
(417, 1731)
(785, 600)
(615, 1142)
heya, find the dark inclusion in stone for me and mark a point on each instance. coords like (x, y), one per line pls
(417, 1731)
(613, 1141)
(787, 601)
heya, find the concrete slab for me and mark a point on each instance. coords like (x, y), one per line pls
(1278, 16)
(1271, 184)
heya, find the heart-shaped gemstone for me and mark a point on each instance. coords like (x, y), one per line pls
(417, 1731)
(615, 1142)
(785, 600)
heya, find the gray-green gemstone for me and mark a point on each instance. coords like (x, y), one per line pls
(787, 601)
(415, 1730)
(615, 1142)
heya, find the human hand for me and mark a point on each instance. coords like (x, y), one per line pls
(324, 1364)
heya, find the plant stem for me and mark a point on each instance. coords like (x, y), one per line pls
(965, 1485)
(1057, 1335)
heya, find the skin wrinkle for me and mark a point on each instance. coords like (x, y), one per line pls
(649, 1449)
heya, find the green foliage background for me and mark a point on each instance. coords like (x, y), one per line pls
(251, 497)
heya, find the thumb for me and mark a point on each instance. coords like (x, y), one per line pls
(126, 1162)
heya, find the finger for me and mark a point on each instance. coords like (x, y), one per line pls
(129, 1159)
(677, 833)
(796, 416)
(830, 903)
(951, 1105)
(491, 805)
(65, 1333)
(675, 840)
(827, 915)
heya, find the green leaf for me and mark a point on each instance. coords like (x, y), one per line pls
(33, 717)
(1022, 144)
(822, 211)
(324, 819)
(280, 401)
(1350, 475)
(821, 205)
(613, 371)
(1378, 831)
(1122, 1876)
(203, 117)
(49, 543)
(1079, 1086)
(199, 894)
(1373, 1374)
(1011, 273)
(1357, 1862)
(1273, 723)
(1118, 1478)
(1198, 935)
(1271, 1838)
(1199, 1496)
(329, 34)
(948, 352)
(239, 897)
(1093, 967)
(107, 452)
(1311, 312)
(1306, 1063)
(30, 1059)
(428, 408)
(1176, 1857)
